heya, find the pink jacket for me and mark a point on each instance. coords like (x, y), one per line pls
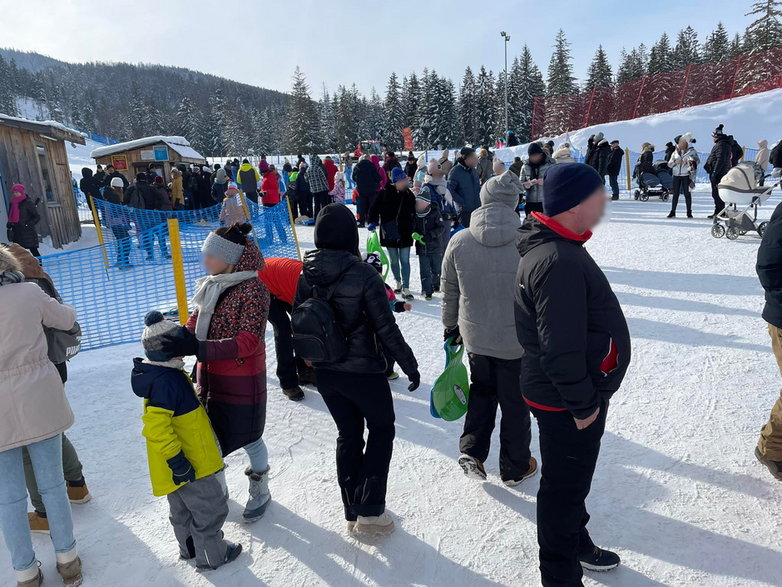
(383, 177)
(33, 405)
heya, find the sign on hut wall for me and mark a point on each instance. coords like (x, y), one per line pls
(161, 153)
(120, 162)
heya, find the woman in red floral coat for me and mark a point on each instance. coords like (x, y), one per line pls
(226, 332)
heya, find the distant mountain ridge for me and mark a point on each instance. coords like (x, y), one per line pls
(126, 101)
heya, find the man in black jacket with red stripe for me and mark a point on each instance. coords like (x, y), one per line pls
(576, 351)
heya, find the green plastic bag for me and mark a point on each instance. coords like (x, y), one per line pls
(373, 246)
(451, 391)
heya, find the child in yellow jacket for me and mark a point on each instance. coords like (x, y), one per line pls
(182, 450)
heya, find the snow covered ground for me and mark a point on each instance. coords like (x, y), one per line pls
(677, 492)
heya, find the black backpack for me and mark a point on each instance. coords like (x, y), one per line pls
(317, 337)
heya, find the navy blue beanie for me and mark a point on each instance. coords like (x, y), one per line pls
(567, 185)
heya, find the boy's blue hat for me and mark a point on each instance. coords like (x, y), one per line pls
(398, 174)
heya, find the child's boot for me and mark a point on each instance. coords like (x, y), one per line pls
(259, 495)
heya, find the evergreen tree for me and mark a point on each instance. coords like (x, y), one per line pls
(447, 131)
(687, 49)
(7, 100)
(393, 114)
(134, 122)
(526, 83)
(717, 45)
(486, 104)
(302, 117)
(186, 123)
(411, 101)
(560, 80)
(373, 119)
(326, 123)
(346, 121)
(736, 46)
(765, 32)
(427, 110)
(599, 74)
(468, 109)
(660, 57)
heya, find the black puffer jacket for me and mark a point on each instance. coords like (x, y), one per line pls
(769, 268)
(366, 177)
(572, 329)
(359, 300)
(718, 163)
(776, 155)
(24, 233)
(394, 207)
(615, 161)
(602, 155)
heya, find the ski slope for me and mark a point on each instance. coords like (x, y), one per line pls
(677, 491)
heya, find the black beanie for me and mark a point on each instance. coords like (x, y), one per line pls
(335, 229)
(141, 177)
(567, 185)
(534, 149)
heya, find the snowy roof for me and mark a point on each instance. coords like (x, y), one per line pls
(178, 144)
(59, 130)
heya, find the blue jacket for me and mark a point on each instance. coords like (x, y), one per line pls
(465, 187)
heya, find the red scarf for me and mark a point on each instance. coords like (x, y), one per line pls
(13, 215)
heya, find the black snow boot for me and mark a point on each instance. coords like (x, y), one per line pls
(599, 560)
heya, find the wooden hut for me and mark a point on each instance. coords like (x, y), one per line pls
(33, 153)
(134, 157)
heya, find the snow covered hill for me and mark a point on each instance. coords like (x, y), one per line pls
(749, 119)
(677, 491)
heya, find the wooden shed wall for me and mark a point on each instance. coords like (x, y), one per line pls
(19, 162)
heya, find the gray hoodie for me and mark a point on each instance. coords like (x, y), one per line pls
(479, 271)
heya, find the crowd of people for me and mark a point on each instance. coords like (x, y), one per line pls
(544, 334)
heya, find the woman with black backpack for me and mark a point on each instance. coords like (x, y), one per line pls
(349, 365)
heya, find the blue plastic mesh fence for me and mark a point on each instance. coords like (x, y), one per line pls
(114, 285)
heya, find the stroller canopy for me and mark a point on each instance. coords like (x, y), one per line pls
(740, 178)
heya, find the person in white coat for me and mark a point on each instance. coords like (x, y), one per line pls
(682, 161)
(34, 413)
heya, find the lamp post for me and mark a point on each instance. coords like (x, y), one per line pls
(506, 36)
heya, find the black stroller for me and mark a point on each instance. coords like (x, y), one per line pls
(651, 185)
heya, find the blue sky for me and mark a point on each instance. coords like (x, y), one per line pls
(345, 42)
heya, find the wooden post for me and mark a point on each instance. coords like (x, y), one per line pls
(627, 167)
(99, 231)
(178, 266)
(293, 227)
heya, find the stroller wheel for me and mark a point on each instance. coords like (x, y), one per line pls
(762, 228)
(644, 197)
(717, 231)
(732, 233)
(637, 194)
(665, 197)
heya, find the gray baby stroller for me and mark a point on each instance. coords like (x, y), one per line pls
(740, 191)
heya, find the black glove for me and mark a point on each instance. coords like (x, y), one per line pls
(181, 469)
(415, 381)
(182, 343)
(455, 334)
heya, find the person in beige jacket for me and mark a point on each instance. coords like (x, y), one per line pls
(34, 413)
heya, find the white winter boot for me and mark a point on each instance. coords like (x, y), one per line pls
(381, 525)
(259, 495)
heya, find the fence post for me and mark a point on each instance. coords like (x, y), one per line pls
(178, 266)
(684, 88)
(735, 76)
(589, 108)
(627, 166)
(640, 93)
(99, 231)
(293, 226)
